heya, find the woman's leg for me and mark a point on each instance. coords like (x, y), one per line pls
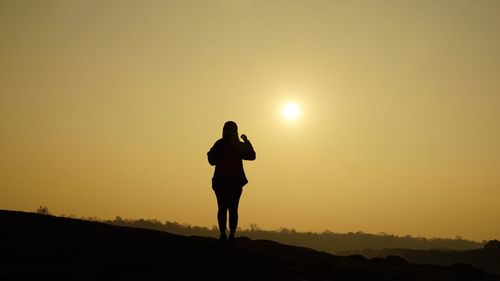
(233, 212)
(221, 214)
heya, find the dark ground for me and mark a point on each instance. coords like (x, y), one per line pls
(34, 246)
(487, 258)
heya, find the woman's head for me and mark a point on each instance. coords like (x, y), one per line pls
(230, 129)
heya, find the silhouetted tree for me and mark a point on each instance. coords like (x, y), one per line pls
(254, 227)
(43, 210)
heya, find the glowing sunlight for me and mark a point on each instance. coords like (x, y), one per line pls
(291, 111)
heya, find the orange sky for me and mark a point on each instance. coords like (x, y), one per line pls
(108, 108)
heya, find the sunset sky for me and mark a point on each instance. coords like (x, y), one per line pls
(108, 108)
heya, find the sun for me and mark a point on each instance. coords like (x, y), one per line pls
(291, 111)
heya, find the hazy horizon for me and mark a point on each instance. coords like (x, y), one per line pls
(185, 226)
(108, 108)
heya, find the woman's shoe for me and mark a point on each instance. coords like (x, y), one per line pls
(223, 237)
(231, 238)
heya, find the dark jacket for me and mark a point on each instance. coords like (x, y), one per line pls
(227, 155)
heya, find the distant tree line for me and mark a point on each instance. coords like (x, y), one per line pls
(327, 241)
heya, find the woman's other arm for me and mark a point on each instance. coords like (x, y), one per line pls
(247, 153)
(213, 154)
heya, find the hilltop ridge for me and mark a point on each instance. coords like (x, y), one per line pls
(42, 246)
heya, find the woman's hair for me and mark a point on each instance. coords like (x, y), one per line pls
(230, 129)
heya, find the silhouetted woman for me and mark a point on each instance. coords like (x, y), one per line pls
(229, 177)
